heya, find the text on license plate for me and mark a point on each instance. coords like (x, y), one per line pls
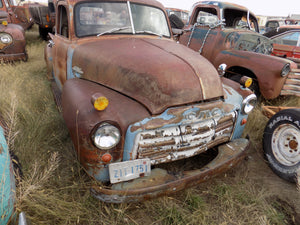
(129, 170)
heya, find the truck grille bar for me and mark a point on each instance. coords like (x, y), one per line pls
(184, 140)
(292, 84)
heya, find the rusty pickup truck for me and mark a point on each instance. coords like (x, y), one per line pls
(136, 102)
(16, 13)
(12, 41)
(228, 33)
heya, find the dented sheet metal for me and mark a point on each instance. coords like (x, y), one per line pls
(161, 182)
(292, 84)
(184, 132)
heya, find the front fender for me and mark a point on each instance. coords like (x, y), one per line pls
(266, 68)
(81, 119)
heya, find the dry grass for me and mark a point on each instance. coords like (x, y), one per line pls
(55, 189)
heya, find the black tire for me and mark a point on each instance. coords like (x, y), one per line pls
(176, 22)
(281, 143)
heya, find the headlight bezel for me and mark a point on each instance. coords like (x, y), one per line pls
(249, 104)
(106, 136)
(285, 70)
(8, 37)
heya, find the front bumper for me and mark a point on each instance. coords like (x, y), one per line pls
(161, 183)
(292, 83)
(13, 57)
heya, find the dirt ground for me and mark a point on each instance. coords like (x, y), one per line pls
(284, 192)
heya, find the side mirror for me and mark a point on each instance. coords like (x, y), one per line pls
(177, 32)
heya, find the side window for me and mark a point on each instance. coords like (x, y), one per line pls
(63, 28)
(6, 4)
(288, 39)
(207, 17)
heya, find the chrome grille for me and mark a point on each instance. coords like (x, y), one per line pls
(183, 140)
(292, 83)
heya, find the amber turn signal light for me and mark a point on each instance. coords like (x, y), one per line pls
(99, 102)
(246, 81)
(5, 23)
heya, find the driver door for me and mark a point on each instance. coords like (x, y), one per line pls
(60, 46)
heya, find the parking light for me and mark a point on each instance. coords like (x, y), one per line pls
(99, 102)
(246, 81)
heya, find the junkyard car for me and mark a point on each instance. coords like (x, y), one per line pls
(228, 33)
(16, 14)
(272, 25)
(7, 185)
(44, 17)
(134, 100)
(287, 45)
(180, 13)
(12, 41)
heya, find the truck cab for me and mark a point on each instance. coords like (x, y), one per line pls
(135, 101)
(228, 33)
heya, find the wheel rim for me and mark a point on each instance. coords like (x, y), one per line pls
(285, 144)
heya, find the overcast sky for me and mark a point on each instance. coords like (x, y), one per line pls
(258, 7)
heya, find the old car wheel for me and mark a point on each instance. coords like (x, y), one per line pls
(281, 143)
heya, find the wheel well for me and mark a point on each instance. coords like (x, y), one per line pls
(236, 70)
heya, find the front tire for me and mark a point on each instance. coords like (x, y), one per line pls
(281, 143)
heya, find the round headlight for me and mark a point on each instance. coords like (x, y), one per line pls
(285, 70)
(249, 104)
(106, 136)
(5, 38)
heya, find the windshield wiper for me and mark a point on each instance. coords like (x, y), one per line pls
(113, 30)
(148, 32)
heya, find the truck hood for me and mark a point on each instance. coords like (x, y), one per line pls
(158, 73)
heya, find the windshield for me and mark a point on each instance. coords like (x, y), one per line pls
(100, 18)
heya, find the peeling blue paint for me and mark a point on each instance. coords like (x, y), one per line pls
(7, 185)
(70, 74)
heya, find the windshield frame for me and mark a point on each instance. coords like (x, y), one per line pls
(133, 30)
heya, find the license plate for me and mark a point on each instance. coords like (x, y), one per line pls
(129, 170)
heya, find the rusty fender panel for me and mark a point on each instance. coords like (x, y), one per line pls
(81, 118)
(270, 81)
(15, 50)
(161, 183)
(244, 92)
